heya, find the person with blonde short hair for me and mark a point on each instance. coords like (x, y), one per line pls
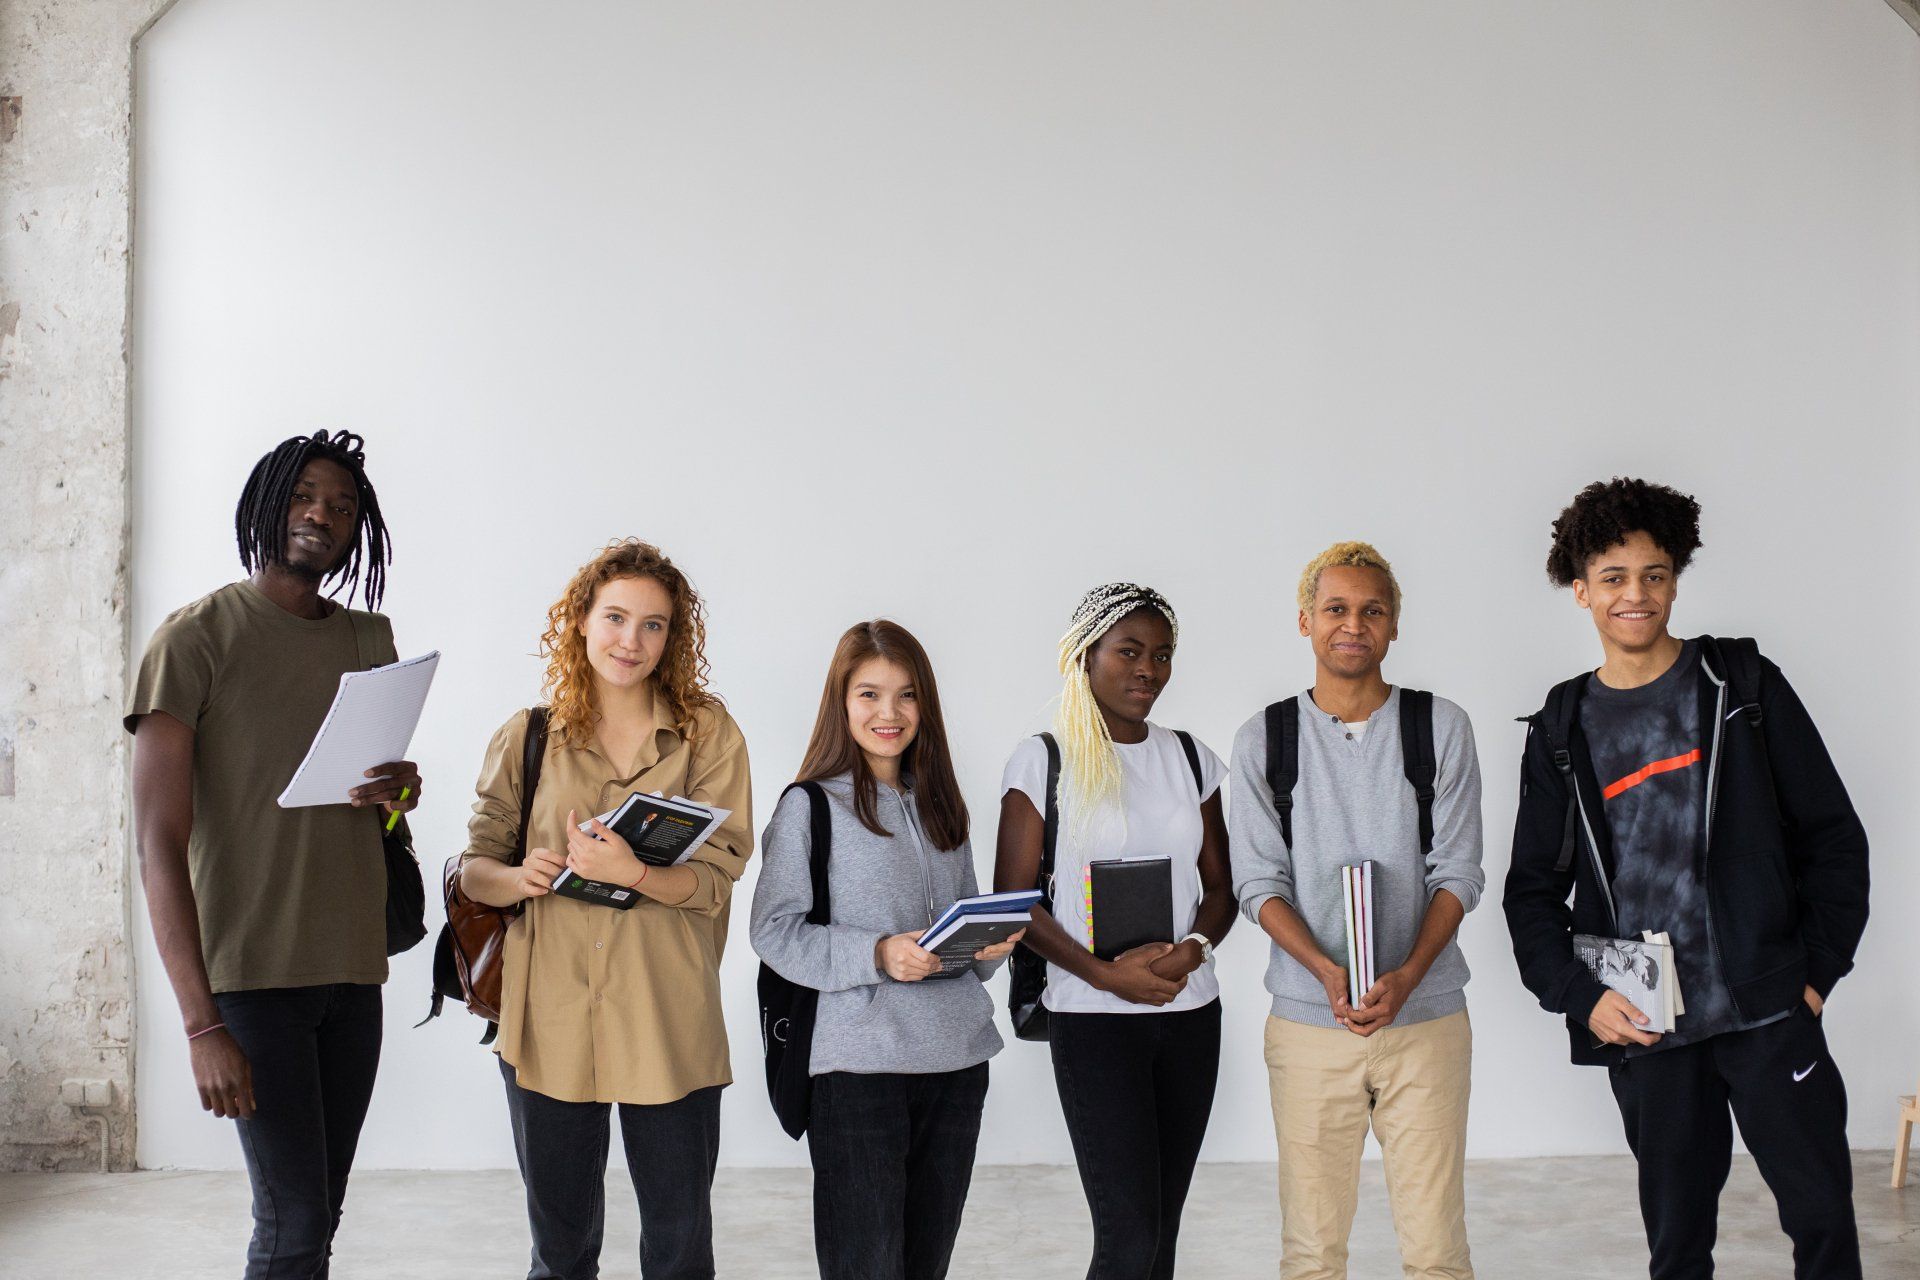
(1354, 769)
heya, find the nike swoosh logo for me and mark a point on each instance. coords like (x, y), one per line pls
(1798, 1076)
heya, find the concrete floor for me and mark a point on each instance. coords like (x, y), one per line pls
(1570, 1219)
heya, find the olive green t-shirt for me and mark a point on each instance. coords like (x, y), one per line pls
(286, 897)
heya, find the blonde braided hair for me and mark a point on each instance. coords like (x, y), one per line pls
(1090, 767)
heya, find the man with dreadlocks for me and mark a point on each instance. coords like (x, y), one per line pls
(1135, 1039)
(271, 922)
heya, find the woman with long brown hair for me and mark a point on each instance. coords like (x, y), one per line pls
(899, 1057)
(601, 1005)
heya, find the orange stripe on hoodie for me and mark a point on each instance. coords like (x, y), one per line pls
(1640, 775)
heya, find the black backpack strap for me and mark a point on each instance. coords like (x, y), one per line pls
(1050, 829)
(1193, 758)
(1283, 760)
(1737, 660)
(819, 850)
(1417, 757)
(1556, 721)
(533, 752)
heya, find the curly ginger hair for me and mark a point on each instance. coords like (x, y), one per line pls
(682, 673)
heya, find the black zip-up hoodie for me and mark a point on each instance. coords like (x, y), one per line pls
(1785, 855)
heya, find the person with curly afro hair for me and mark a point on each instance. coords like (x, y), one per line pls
(1681, 773)
(1603, 514)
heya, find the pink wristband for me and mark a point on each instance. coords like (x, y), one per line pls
(195, 1035)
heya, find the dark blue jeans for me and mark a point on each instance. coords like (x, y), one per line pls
(1137, 1090)
(892, 1161)
(313, 1052)
(672, 1150)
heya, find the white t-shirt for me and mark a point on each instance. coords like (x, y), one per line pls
(1162, 817)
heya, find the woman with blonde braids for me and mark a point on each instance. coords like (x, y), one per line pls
(1135, 1039)
(598, 1005)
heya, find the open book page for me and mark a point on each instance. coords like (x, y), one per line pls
(371, 722)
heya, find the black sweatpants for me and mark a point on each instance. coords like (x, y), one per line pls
(892, 1161)
(1137, 1089)
(1784, 1089)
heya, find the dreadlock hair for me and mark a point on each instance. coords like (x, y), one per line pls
(260, 518)
(1089, 765)
(1605, 513)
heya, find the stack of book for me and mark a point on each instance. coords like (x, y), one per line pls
(972, 924)
(1356, 885)
(1641, 969)
(662, 833)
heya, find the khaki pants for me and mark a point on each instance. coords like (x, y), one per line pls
(1412, 1082)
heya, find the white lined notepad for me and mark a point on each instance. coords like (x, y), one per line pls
(371, 722)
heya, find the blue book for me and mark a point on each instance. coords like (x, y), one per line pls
(973, 923)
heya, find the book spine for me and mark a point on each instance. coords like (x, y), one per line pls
(1353, 947)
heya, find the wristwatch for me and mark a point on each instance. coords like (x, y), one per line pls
(1206, 947)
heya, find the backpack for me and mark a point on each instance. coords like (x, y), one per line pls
(467, 955)
(1027, 971)
(1738, 662)
(1416, 758)
(787, 1009)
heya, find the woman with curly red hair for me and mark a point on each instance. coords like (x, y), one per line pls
(599, 1005)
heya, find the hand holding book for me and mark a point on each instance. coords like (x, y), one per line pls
(1615, 1020)
(1381, 1003)
(903, 959)
(533, 878)
(600, 853)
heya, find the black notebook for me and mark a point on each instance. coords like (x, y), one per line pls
(1130, 903)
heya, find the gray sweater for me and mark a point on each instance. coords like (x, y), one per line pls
(1352, 802)
(881, 885)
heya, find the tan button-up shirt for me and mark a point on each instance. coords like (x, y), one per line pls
(601, 1005)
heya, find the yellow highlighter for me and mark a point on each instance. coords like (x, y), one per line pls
(395, 815)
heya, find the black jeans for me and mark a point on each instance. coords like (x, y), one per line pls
(313, 1052)
(672, 1149)
(892, 1161)
(1137, 1089)
(1782, 1086)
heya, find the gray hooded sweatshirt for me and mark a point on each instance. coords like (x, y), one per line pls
(881, 885)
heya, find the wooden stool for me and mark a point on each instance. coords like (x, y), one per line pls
(1909, 1116)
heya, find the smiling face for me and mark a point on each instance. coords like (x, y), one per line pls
(1629, 590)
(321, 519)
(1352, 622)
(1130, 665)
(626, 630)
(883, 712)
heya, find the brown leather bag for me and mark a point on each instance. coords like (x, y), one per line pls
(467, 957)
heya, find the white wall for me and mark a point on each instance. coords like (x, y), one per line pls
(949, 314)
